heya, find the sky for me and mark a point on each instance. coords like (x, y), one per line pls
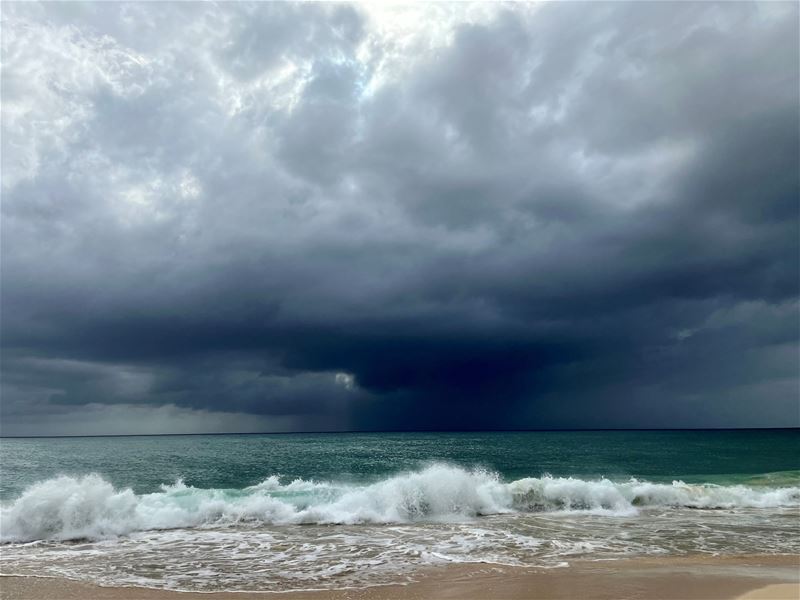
(311, 217)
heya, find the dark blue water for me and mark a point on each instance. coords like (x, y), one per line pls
(143, 463)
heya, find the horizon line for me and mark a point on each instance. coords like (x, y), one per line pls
(373, 431)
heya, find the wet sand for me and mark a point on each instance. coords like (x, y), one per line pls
(778, 591)
(760, 577)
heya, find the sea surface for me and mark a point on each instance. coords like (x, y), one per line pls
(316, 511)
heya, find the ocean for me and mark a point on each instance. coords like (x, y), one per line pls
(336, 510)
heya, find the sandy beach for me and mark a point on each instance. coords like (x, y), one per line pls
(691, 578)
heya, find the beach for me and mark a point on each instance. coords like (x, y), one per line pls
(691, 578)
(516, 515)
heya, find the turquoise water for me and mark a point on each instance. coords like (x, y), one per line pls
(309, 511)
(143, 463)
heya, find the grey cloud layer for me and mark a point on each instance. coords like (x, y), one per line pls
(497, 216)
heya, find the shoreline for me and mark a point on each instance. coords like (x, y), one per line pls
(698, 577)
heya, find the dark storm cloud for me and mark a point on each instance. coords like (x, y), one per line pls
(503, 216)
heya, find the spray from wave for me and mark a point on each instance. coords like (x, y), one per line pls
(89, 507)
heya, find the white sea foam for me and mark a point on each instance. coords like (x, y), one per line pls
(89, 507)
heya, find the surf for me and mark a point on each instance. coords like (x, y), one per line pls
(90, 507)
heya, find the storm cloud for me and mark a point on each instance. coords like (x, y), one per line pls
(310, 216)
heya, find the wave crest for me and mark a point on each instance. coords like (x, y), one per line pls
(67, 508)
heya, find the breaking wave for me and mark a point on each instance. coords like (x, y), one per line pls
(66, 508)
